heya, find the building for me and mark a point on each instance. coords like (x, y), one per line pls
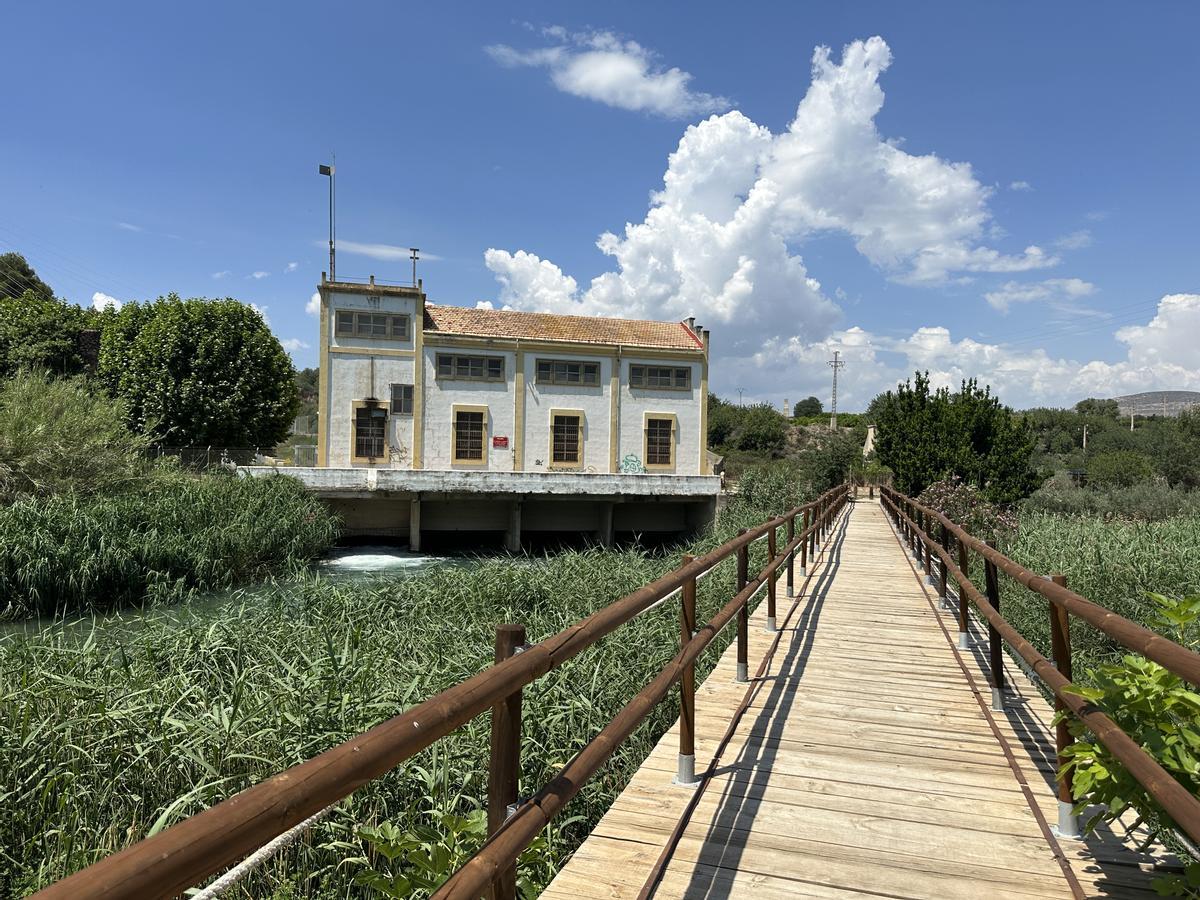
(406, 384)
(476, 420)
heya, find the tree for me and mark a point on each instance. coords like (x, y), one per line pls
(1118, 468)
(199, 373)
(17, 277)
(1094, 407)
(762, 428)
(39, 332)
(925, 436)
(809, 407)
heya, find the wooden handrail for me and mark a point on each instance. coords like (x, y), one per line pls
(181, 856)
(1180, 805)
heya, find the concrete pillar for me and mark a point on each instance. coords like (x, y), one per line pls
(414, 525)
(605, 532)
(512, 537)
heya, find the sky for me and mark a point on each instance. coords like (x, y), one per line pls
(1000, 191)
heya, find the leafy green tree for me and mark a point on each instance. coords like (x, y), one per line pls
(762, 428)
(925, 436)
(199, 373)
(17, 277)
(1094, 407)
(40, 332)
(1118, 468)
(810, 406)
(723, 421)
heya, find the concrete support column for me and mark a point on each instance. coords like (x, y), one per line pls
(512, 537)
(605, 531)
(414, 525)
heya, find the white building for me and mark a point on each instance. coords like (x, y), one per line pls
(406, 384)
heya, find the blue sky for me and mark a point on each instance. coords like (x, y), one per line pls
(163, 148)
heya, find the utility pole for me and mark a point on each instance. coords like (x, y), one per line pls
(413, 253)
(1085, 435)
(835, 364)
(331, 171)
(740, 392)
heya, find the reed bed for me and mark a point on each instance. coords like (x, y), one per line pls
(111, 730)
(1113, 562)
(179, 535)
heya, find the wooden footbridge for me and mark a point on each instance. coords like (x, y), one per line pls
(868, 733)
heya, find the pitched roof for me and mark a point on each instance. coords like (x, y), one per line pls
(507, 323)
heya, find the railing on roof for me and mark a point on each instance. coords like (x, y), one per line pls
(186, 853)
(916, 524)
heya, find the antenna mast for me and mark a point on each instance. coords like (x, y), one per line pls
(331, 171)
(835, 364)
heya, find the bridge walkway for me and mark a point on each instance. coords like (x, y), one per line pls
(862, 760)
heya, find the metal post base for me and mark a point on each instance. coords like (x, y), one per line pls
(743, 675)
(804, 570)
(770, 624)
(997, 698)
(1068, 822)
(929, 580)
(685, 771)
(790, 593)
(964, 640)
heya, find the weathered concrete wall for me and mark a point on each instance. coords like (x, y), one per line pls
(636, 403)
(593, 403)
(442, 396)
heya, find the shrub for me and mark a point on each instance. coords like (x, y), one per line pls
(1148, 500)
(965, 505)
(1118, 468)
(57, 437)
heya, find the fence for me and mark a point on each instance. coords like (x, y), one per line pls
(211, 457)
(916, 523)
(190, 851)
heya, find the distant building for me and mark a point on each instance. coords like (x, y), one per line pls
(406, 384)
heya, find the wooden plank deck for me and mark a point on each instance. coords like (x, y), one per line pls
(866, 763)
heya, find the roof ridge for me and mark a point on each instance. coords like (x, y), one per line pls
(532, 312)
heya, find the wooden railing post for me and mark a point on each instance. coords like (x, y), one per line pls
(772, 579)
(504, 771)
(944, 540)
(964, 565)
(685, 772)
(743, 627)
(927, 543)
(804, 544)
(1060, 643)
(791, 560)
(995, 643)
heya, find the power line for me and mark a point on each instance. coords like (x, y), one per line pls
(835, 364)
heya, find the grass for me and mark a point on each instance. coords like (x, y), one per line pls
(1112, 562)
(176, 536)
(112, 730)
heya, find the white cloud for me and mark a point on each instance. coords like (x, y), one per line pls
(126, 226)
(1056, 291)
(291, 267)
(313, 306)
(102, 301)
(717, 240)
(291, 345)
(598, 65)
(224, 273)
(385, 252)
(262, 311)
(1020, 186)
(1076, 240)
(259, 275)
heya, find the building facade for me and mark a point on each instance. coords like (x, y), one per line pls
(405, 384)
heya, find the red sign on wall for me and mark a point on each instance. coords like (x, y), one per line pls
(500, 443)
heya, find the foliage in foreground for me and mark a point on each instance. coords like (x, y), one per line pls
(1160, 711)
(1150, 501)
(179, 535)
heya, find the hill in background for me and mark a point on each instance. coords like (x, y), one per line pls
(1158, 403)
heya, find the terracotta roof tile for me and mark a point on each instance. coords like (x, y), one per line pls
(504, 323)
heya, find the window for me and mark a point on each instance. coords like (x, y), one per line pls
(660, 442)
(672, 378)
(562, 371)
(351, 323)
(370, 429)
(470, 368)
(565, 438)
(468, 435)
(402, 399)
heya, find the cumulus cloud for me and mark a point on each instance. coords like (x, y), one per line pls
(1076, 240)
(102, 301)
(224, 273)
(313, 306)
(1056, 291)
(1020, 186)
(291, 267)
(291, 345)
(259, 275)
(599, 65)
(717, 241)
(262, 311)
